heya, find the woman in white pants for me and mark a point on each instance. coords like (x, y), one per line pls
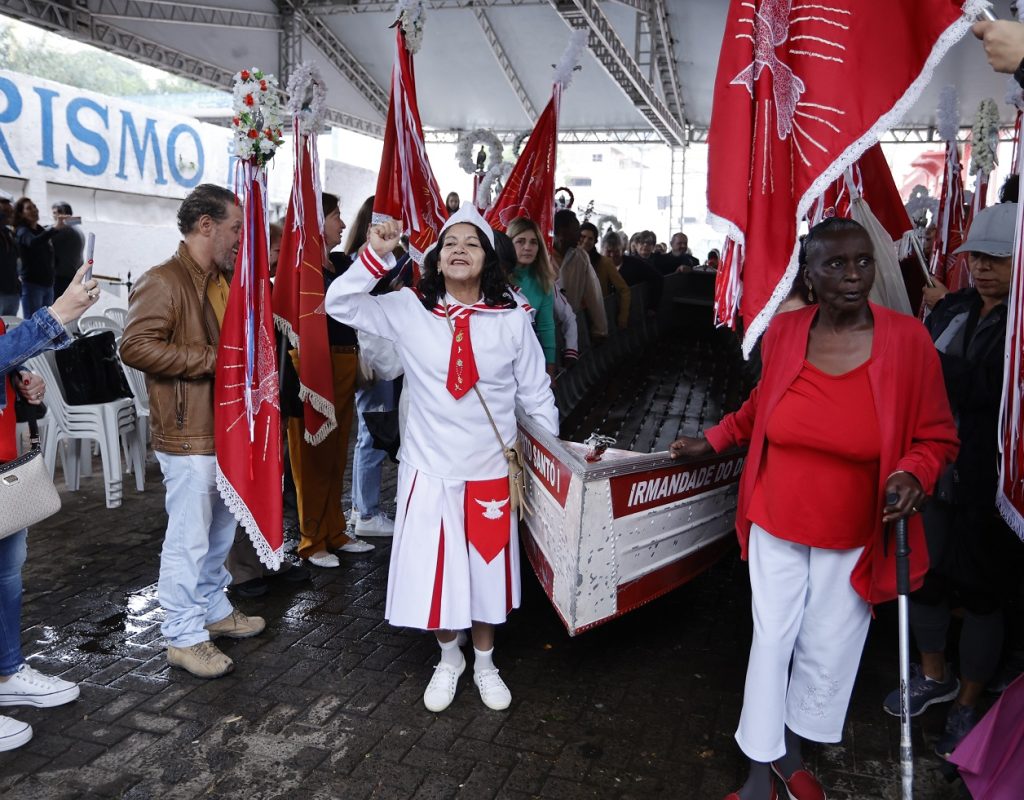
(850, 409)
(455, 554)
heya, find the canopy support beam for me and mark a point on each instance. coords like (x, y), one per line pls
(183, 13)
(505, 63)
(615, 57)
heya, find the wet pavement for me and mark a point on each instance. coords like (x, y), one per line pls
(327, 702)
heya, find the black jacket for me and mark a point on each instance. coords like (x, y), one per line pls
(972, 366)
(36, 254)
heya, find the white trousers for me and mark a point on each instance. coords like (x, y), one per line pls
(805, 612)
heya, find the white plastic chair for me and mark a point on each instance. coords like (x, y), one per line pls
(137, 383)
(11, 321)
(105, 423)
(99, 322)
(118, 315)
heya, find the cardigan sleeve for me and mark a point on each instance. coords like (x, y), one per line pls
(934, 442)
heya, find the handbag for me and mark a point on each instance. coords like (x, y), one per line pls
(90, 370)
(516, 473)
(27, 493)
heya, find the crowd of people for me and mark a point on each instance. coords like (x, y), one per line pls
(863, 416)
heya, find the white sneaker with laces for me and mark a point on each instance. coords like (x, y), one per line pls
(324, 560)
(441, 690)
(352, 517)
(493, 690)
(380, 524)
(27, 687)
(356, 546)
(13, 733)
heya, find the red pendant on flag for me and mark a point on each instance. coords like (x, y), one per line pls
(488, 520)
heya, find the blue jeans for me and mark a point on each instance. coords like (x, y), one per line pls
(200, 530)
(34, 297)
(9, 304)
(366, 459)
(12, 556)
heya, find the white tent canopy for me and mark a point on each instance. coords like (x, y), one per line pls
(648, 75)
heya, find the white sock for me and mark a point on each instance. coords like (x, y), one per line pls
(484, 660)
(450, 653)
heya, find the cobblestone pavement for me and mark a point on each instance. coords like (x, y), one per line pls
(327, 702)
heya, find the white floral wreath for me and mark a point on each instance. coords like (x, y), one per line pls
(984, 137)
(412, 17)
(307, 98)
(257, 118)
(466, 143)
(498, 172)
(517, 144)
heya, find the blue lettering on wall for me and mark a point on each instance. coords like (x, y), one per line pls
(10, 114)
(128, 130)
(87, 136)
(172, 156)
(46, 125)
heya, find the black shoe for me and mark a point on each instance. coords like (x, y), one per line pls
(257, 587)
(292, 573)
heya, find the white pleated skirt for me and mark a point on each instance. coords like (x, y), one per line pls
(436, 581)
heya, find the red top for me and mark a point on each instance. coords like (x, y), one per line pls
(820, 471)
(8, 423)
(916, 430)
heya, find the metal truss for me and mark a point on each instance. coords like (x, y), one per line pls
(83, 26)
(289, 44)
(665, 58)
(321, 7)
(506, 64)
(181, 13)
(615, 57)
(576, 136)
(892, 136)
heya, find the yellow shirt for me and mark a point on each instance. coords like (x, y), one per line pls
(217, 291)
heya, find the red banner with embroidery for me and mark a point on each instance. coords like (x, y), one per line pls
(406, 188)
(785, 123)
(299, 292)
(530, 188)
(1010, 494)
(247, 408)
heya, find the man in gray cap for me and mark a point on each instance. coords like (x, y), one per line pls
(976, 559)
(10, 286)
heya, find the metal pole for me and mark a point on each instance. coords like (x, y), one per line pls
(903, 590)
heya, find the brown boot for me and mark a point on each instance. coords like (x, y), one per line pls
(237, 626)
(203, 660)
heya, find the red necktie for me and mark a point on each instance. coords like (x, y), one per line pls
(462, 372)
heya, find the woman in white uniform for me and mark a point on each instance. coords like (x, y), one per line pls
(463, 341)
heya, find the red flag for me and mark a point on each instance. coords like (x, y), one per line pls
(247, 408)
(951, 226)
(1010, 493)
(406, 188)
(785, 123)
(530, 188)
(299, 292)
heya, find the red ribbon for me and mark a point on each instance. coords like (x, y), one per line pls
(462, 372)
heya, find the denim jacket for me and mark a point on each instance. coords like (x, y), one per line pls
(39, 333)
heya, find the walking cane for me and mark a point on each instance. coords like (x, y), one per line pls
(903, 590)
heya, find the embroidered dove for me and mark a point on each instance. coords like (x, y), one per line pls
(493, 507)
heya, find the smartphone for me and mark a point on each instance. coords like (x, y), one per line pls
(72, 220)
(90, 246)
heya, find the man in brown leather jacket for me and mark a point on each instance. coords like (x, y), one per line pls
(174, 317)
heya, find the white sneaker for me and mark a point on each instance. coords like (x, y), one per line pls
(13, 733)
(441, 690)
(493, 690)
(356, 546)
(380, 524)
(26, 687)
(352, 517)
(324, 560)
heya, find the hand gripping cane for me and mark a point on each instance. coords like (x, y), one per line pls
(902, 591)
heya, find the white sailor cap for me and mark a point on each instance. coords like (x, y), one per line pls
(468, 213)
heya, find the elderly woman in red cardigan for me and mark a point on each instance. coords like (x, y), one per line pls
(850, 409)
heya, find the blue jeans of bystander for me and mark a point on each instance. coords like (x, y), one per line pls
(12, 557)
(366, 459)
(9, 304)
(34, 297)
(200, 530)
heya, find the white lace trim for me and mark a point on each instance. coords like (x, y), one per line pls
(946, 40)
(271, 559)
(1011, 516)
(320, 404)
